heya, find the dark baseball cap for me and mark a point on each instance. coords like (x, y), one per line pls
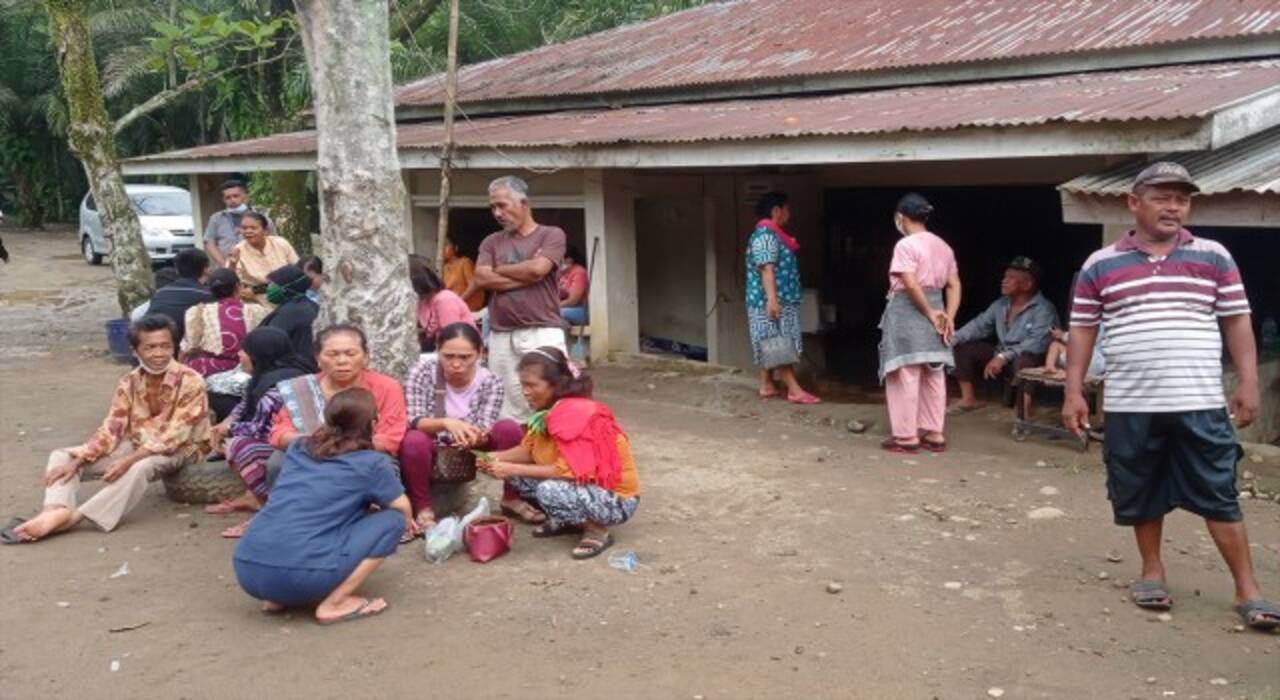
(1025, 264)
(1165, 173)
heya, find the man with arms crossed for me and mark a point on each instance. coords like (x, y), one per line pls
(517, 267)
(1168, 300)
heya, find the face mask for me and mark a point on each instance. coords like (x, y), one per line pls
(153, 372)
(276, 294)
(239, 208)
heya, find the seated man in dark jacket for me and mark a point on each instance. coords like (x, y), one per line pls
(1012, 334)
(173, 299)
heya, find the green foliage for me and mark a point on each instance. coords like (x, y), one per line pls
(250, 77)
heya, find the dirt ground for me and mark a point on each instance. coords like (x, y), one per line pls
(948, 589)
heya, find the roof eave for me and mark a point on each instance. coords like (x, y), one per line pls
(1199, 51)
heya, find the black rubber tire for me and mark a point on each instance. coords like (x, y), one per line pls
(203, 482)
(86, 250)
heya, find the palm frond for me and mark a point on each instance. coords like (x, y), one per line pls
(125, 67)
(126, 22)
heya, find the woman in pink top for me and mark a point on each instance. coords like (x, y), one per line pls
(437, 305)
(916, 331)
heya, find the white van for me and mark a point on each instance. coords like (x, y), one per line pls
(163, 211)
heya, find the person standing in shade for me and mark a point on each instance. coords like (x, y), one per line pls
(459, 276)
(774, 293)
(517, 266)
(223, 231)
(1168, 300)
(916, 331)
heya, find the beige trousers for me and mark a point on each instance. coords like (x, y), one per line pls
(106, 507)
(505, 350)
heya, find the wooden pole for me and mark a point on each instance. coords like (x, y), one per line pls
(446, 148)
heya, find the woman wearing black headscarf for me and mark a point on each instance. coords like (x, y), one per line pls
(295, 311)
(268, 356)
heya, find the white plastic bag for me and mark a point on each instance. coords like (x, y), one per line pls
(445, 537)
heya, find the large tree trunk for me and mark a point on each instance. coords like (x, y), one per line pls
(91, 136)
(362, 197)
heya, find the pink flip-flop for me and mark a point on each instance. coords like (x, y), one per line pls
(805, 399)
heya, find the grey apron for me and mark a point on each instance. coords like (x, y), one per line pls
(908, 338)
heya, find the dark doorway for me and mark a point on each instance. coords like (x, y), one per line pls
(468, 227)
(986, 226)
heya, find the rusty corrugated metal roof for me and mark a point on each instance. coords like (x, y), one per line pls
(753, 40)
(1249, 165)
(1157, 94)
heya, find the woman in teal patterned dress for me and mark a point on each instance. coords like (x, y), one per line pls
(773, 294)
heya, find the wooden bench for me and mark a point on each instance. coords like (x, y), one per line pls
(1031, 378)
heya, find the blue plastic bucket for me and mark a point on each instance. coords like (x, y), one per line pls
(118, 340)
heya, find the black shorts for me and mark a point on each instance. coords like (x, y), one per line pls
(1160, 461)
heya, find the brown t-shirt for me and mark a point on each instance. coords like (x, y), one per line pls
(534, 306)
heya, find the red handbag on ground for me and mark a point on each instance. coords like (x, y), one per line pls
(488, 538)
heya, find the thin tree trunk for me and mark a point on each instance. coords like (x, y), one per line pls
(91, 138)
(362, 196)
(446, 149)
(289, 192)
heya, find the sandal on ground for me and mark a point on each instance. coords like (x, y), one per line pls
(525, 513)
(891, 444)
(549, 530)
(237, 531)
(8, 536)
(804, 398)
(1259, 614)
(766, 395)
(1151, 594)
(229, 506)
(408, 536)
(359, 613)
(959, 409)
(591, 545)
(933, 445)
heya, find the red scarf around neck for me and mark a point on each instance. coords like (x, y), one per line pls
(787, 240)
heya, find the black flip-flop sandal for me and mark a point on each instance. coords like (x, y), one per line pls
(1259, 614)
(1151, 594)
(891, 444)
(8, 536)
(548, 530)
(933, 445)
(590, 546)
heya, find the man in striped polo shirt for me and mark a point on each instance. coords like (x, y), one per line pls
(1168, 299)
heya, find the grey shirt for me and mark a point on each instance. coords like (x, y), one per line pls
(1028, 333)
(224, 229)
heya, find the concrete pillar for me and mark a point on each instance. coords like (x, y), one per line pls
(610, 217)
(1114, 232)
(206, 198)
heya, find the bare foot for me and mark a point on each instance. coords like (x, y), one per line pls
(270, 607)
(49, 522)
(352, 607)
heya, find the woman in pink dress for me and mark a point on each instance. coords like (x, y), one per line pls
(437, 305)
